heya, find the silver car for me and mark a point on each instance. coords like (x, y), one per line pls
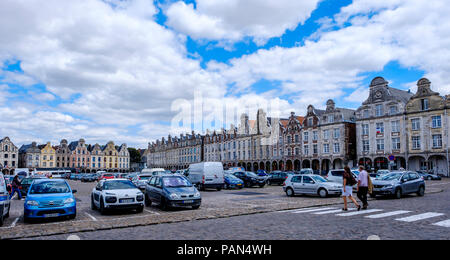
(312, 185)
(141, 180)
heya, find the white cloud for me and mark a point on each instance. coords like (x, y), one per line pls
(233, 20)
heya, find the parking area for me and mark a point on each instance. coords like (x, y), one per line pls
(215, 204)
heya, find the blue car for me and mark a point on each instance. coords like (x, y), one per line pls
(232, 182)
(50, 198)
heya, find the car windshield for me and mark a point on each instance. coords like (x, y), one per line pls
(27, 181)
(318, 179)
(392, 176)
(49, 187)
(251, 174)
(176, 182)
(119, 185)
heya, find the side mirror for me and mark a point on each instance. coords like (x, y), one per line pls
(74, 191)
(404, 180)
(99, 189)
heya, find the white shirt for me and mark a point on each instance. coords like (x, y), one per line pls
(363, 179)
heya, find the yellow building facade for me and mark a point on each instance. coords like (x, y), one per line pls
(110, 157)
(48, 156)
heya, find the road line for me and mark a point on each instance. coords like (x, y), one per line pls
(152, 212)
(389, 214)
(332, 211)
(92, 217)
(311, 210)
(14, 222)
(420, 217)
(362, 212)
(445, 223)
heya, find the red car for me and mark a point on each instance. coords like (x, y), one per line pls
(106, 176)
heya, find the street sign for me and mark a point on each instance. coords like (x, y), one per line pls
(391, 158)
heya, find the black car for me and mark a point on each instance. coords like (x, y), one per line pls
(429, 177)
(250, 179)
(26, 183)
(89, 178)
(277, 178)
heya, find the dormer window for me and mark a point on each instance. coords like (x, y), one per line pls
(425, 105)
(331, 119)
(310, 122)
(393, 110)
(379, 110)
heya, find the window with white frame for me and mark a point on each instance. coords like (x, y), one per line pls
(315, 149)
(326, 148)
(415, 124)
(337, 148)
(395, 125)
(366, 146)
(416, 142)
(366, 113)
(337, 133)
(365, 129)
(326, 134)
(306, 136)
(436, 122)
(437, 141)
(393, 110)
(379, 110)
(306, 150)
(380, 144)
(315, 135)
(396, 143)
(380, 128)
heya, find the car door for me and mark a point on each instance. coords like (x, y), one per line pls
(414, 180)
(97, 193)
(297, 184)
(308, 185)
(405, 183)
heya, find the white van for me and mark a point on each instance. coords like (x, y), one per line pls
(5, 203)
(154, 171)
(206, 175)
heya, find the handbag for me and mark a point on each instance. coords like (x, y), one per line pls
(369, 181)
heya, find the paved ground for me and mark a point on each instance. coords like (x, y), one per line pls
(217, 210)
(410, 218)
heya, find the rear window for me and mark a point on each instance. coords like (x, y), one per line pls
(337, 173)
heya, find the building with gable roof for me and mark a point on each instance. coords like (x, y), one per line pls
(9, 156)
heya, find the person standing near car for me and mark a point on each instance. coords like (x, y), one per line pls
(15, 187)
(348, 182)
(363, 186)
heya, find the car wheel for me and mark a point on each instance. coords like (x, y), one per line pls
(102, 207)
(398, 193)
(140, 209)
(1, 220)
(323, 193)
(72, 217)
(7, 214)
(290, 192)
(373, 196)
(164, 205)
(429, 178)
(269, 183)
(196, 207)
(148, 202)
(93, 207)
(262, 185)
(421, 191)
(219, 189)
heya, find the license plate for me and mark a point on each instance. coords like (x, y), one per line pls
(188, 201)
(127, 201)
(51, 215)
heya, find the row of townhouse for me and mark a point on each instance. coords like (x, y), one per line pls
(9, 155)
(392, 129)
(76, 155)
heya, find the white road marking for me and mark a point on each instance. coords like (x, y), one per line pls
(311, 210)
(152, 212)
(359, 212)
(445, 223)
(92, 217)
(420, 217)
(389, 214)
(332, 211)
(14, 222)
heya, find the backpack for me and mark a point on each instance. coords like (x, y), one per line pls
(351, 181)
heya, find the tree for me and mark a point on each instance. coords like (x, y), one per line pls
(135, 155)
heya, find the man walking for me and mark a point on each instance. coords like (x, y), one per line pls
(15, 187)
(363, 186)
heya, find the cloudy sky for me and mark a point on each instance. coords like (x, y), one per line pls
(122, 69)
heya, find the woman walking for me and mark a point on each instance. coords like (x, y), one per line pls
(348, 182)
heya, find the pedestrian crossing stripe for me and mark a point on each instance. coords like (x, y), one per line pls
(332, 211)
(388, 214)
(445, 223)
(420, 217)
(311, 210)
(359, 212)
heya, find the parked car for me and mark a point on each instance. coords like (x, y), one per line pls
(154, 171)
(5, 203)
(117, 194)
(89, 177)
(429, 177)
(261, 173)
(141, 180)
(383, 172)
(26, 183)
(277, 178)
(399, 184)
(312, 185)
(172, 191)
(232, 182)
(250, 179)
(106, 176)
(50, 198)
(306, 171)
(206, 175)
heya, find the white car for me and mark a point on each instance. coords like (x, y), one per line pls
(117, 194)
(5, 203)
(141, 180)
(312, 185)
